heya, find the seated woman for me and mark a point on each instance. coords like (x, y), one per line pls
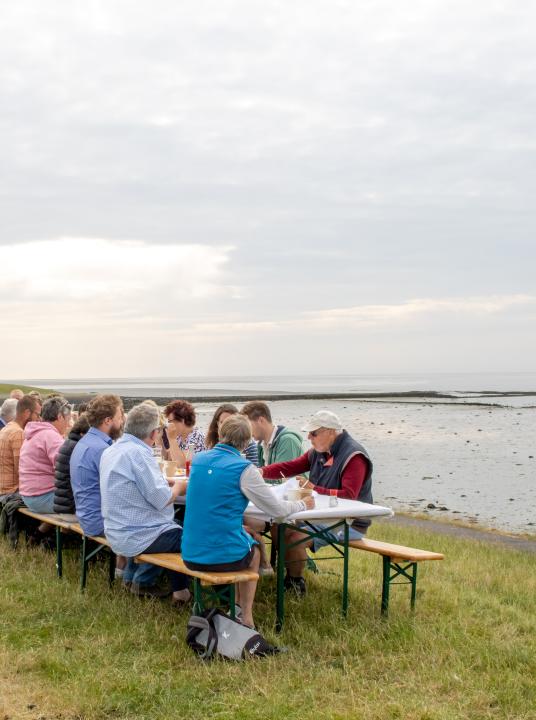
(251, 453)
(42, 443)
(221, 484)
(181, 432)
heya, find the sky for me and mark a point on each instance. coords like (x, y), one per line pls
(237, 187)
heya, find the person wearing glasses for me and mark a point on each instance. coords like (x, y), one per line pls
(337, 465)
(42, 442)
(11, 439)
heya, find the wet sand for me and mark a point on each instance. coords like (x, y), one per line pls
(471, 463)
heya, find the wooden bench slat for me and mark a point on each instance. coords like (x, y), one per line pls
(174, 561)
(399, 552)
(58, 520)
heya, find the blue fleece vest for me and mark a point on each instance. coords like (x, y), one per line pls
(329, 476)
(212, 531)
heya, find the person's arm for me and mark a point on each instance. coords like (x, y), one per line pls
(16, 444)
(352, 479)
(277, 471)
(52, 448)
(256, 490)
(150, 481)
(252, 453)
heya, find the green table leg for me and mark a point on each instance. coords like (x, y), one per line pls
(345, 572)
(386, 584)
(280, 608)
(232, 601)
(59, 551)
(414, 586)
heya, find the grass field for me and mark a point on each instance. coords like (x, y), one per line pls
(469, 652)
(6, 388)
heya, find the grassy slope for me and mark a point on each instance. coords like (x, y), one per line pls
(6, 388)
(469, 652)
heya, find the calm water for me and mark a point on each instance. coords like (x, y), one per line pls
(461, 386)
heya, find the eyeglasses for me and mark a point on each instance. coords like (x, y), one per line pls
(314, 433)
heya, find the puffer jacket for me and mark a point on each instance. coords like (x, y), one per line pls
(63, 493)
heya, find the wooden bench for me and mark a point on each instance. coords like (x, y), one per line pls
(216, 587)
(67, 522)
(398, 562)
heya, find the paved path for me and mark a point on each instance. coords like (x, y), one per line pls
(459, 531)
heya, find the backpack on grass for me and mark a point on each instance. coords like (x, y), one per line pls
(214, 633)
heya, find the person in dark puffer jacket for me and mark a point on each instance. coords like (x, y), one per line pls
(63, 495)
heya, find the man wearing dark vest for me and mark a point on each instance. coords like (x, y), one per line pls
(337, 465)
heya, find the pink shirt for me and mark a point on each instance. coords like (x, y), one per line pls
(42, 442)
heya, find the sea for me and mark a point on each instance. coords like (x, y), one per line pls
(512, 389)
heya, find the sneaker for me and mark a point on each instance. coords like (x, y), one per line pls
(266, 571)
(297, 584)
(149, 591)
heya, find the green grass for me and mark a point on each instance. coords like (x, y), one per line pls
(469, 652)
(6, 388)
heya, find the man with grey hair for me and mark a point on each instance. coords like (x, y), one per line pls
(338, 466)
(7, 411)
(137, 502)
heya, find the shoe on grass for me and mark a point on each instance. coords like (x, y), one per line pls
(297, 584)
(149, 591)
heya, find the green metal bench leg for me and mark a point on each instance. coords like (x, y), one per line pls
(386, 584)
(59, 551)
(83, 564)
(413, 586)
(198, 598)
(111, 568)
(232, 601)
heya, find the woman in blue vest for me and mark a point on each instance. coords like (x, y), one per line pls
(222, 482)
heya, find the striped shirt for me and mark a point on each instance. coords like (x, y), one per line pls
(135, 496)
(11, 438)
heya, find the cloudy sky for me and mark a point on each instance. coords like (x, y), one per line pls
(246, 187)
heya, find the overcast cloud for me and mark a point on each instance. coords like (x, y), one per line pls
(267, 187)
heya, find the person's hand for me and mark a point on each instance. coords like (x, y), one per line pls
(172, 430)
(179, 488)
(309, 502)
(304, 483)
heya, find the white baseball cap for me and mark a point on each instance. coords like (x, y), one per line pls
(323, 419)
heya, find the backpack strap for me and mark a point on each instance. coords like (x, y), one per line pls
(196, 624)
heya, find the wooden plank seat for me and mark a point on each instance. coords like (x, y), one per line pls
(68, 522)
(399, 561)
(218, 587)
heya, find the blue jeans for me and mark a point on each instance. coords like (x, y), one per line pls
(40, 503)
(168, 542)
(337, 536)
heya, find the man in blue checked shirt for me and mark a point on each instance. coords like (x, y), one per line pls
(137, 500)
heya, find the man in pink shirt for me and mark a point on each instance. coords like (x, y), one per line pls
(42, 441)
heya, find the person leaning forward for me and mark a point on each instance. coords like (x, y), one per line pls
(337, 465)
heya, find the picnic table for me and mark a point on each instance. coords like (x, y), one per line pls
(334, 518)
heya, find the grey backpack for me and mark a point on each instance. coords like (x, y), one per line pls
(213, 632)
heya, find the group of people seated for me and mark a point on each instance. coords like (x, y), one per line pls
(103, 465)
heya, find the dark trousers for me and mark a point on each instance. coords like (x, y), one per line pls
(170, 542)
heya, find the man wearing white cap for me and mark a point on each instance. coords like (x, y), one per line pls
(337, 465)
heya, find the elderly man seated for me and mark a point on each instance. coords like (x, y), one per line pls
(11, 438)
(337, 465)
(7, 411)
(137, 501)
